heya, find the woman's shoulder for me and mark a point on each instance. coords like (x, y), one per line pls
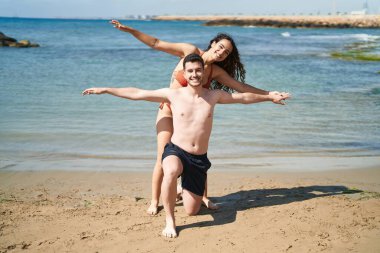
(217, 70)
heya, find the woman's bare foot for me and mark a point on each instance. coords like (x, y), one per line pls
(153, 208)
(209, 204)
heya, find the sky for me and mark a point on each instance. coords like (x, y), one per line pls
(123, 8)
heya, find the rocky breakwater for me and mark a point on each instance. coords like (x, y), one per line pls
(367, 21)
(6, 41)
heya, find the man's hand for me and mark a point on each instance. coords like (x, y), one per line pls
(279, 97)
(96, 91)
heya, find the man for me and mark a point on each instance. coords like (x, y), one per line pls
(186, 155)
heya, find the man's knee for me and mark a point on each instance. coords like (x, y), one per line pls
(191, 202)
(193, 210)
(172, 167)
(172, 171)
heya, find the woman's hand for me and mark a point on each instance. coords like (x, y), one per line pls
(120, 26)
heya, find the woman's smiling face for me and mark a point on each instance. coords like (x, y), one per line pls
(221, 49)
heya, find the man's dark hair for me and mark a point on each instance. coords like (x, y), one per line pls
(193, 58)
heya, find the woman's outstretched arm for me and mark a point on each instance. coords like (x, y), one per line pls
(177, 49)
(224, 78)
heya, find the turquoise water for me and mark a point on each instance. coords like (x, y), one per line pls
(45, 123)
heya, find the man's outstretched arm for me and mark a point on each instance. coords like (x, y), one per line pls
(161, 95)
(250, 98)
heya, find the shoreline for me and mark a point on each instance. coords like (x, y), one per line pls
(335, 211)
(347, 21)
(288, 162)
(366, 178)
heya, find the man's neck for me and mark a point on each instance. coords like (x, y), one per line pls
(195, 90)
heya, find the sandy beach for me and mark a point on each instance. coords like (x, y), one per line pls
(55, 211)
(75, 172)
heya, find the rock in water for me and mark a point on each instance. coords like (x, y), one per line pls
(6, 41)
(4, 37)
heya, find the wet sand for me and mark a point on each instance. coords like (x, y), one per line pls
(330, 211)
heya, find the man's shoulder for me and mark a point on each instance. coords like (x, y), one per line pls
(215, 91)
(213, 95)
(178, 92)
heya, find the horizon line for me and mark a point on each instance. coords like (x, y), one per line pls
(149, 17)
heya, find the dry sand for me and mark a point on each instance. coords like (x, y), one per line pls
(260, 212)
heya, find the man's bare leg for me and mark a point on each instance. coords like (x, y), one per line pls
(172, 168)
(207, 202)
(191, 202)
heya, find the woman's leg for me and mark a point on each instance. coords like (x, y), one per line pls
(164, 126)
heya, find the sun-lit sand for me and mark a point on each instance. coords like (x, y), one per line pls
(336, 211)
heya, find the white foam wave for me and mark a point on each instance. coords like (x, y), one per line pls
(285, 34)
(324, 55)
(359, 36)
(365, 37)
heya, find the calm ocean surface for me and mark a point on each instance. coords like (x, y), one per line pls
(45, 123)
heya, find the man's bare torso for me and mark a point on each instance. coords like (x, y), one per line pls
(192, 118)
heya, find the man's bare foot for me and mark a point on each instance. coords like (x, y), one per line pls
(169, 232)
(152, 209)
(209, 204)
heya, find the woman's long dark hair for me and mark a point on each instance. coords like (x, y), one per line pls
(232, 64)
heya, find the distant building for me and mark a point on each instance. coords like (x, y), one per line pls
(364, 11)
(139, 17)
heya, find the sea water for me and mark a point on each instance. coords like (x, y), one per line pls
(45, 123)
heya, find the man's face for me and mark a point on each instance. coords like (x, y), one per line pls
(193, 73)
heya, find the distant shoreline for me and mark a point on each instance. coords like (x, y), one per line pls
(346, 21)
(349, 21)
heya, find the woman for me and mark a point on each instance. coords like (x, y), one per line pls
(223, 70)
